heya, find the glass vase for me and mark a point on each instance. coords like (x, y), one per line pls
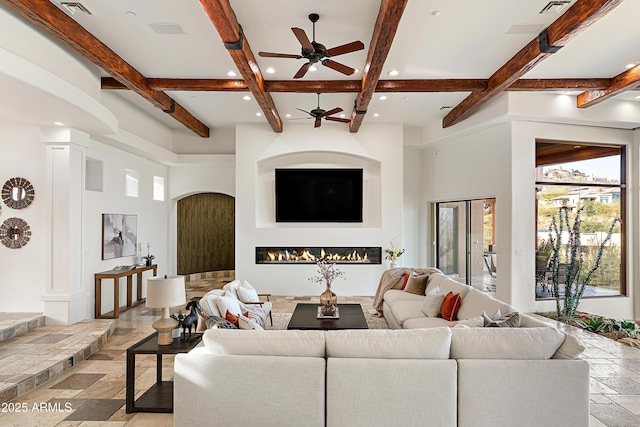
(328, 302)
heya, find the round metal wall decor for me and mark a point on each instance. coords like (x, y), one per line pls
(14, 233)
(18, 193)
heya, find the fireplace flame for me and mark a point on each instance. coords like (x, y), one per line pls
(284, 256)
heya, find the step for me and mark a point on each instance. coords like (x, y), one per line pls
(37, 356)
(15, 324)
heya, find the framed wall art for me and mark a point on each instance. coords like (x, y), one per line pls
(119, 235)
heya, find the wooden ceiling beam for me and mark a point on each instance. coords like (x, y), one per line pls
(620, 83)
(581, 15)
(49, 18)
(224, 20)
(534, 85)
(384, 32)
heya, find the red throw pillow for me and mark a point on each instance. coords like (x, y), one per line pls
(406, 279)
(233, 318)
(450, 306)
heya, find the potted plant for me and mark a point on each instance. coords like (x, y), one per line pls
(179, 316)
(149, 260)
(393, 253)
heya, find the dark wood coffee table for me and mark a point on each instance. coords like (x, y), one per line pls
(305, 317)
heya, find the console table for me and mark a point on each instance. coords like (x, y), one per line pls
(116, 275)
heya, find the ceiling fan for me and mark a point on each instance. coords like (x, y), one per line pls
(315, 52)
(318, 113)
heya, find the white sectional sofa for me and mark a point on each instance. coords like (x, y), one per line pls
(438, 376)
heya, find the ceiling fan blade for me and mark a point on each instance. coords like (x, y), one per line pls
(302, 38)
(338, 119)
(278, 55)
(334, 111)
(341, 68)
(345, 48)
(317, 123)
(300, 109)
(302, 71)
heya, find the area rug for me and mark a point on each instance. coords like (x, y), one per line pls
(281, 320)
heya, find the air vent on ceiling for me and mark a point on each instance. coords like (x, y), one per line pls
(167, 28)
(74, 7)
(555, 6)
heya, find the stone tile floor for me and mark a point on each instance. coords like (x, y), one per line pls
(92, 393)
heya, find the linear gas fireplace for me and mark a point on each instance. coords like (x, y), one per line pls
(311, 255)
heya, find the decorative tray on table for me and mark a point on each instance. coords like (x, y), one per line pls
(322, 316)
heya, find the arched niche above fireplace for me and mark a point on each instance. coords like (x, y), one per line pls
(265, 186)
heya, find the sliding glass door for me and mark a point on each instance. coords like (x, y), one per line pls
(465, 242)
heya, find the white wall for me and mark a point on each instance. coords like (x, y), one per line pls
(473, 167)
(413, 237)
(500, 162)
(152, 216)
(22, 271)
(323, 147)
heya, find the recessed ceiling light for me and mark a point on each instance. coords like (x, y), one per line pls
(58, 123)
(382, 97)
(638, 97)
(287, 116)
(231, 73)
(376, 115)
(356, 70)
(270, 70)
(246, 98)
(313, 68)
(394, 72)
(630, 65)
(259, 114)
(342, 116)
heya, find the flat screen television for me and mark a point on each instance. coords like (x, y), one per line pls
(318, 195)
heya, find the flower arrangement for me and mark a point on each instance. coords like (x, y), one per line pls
(327, 273)
(393, 252)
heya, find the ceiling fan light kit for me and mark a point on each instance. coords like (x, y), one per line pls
(315, 52)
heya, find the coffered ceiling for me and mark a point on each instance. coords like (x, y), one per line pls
(451, 56)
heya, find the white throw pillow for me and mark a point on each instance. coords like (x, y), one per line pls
(229, 303)
(433, 304)
(232, 287)
(247, 293)
(246, 323)
(209, 302)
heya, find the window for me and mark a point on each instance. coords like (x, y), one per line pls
(131, 183)
(158, 188)
(572, 176)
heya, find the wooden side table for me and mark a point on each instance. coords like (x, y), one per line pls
(116, 275)
(159, 398)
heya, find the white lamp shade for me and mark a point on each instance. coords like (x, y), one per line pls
(165, 291)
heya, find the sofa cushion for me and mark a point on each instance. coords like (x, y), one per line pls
(433, 343)
(403, 310)
(228, 303)
(477, 302)
(425, 322)
(474, 322)
(450, 306)
(232, 287)
(266, 343)
(447, 284)
(245, 322)
(433, 304)
(505, 343)
(393, 295)
(417, 284)
(570, 348)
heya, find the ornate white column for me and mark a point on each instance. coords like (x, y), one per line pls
(66, 300)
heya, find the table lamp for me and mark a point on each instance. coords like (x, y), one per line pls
(165, 292)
